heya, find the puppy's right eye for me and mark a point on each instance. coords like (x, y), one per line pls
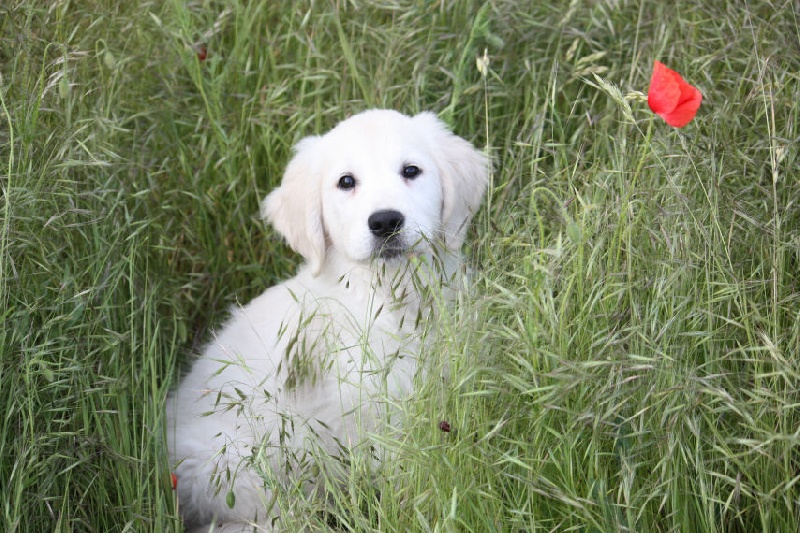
(347, 182)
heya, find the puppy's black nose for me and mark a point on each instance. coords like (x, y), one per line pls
(385, 223)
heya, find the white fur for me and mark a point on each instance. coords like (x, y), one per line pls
(315, 358)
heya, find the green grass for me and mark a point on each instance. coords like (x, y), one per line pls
(629, 360)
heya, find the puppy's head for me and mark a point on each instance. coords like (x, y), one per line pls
(378, 185)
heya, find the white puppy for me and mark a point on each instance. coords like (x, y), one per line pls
(378, 207)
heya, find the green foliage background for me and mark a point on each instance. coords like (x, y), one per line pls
(630, 359)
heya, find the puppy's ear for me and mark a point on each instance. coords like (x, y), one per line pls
(464, 173)
(295, 208)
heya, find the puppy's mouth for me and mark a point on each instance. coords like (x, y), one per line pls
(390, 248)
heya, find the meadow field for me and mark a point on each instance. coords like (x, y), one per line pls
(628, 358)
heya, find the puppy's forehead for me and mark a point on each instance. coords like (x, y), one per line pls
(376, 136)
(374, 121)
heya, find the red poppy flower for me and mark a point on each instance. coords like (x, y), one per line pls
(174, 481)
(671, 98)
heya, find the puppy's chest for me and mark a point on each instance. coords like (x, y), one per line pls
(360, 343)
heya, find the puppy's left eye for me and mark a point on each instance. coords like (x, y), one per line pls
(411, 171)
(346, 182)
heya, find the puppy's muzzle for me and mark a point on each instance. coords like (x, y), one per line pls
(386, 225)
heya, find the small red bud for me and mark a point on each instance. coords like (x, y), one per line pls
(444, 425)
(201, 49)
